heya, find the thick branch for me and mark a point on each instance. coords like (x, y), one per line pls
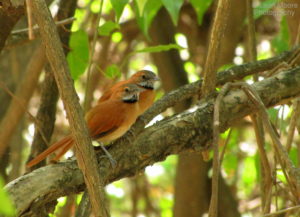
(188, 131)
(189, 90)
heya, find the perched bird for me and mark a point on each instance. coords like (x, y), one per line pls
(142, 78)
(107, 121)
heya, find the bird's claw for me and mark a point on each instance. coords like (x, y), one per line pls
(112, 161)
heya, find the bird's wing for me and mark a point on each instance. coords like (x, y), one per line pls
(105, 118)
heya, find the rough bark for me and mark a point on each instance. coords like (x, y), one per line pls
(187, 131)
(9, 15)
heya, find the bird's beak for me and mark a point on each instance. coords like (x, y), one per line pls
(156, 78)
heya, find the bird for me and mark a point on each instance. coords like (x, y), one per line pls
(144, 79)
(107, 121)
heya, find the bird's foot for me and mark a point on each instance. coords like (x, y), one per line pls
(112, 161)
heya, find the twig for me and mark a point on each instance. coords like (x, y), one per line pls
(266, 184)
(93, 47)
(22, 95)
(213, 207)
(29, 17)
(282, 211)
(21, 105)
(292, 127)
(287, 166)
(35, 27)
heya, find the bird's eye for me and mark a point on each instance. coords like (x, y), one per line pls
(127, 89)
(144, 76)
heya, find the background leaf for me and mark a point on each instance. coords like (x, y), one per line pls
(78, 57)
(141, 5)
(150, 10)
(201, 7)
(159, 48)
(173, 7)
(118, 6)
(281, 41)
(112, 71)
(107, 28)
(6, 207)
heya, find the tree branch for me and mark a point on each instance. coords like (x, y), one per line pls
(187, 131)
(84, 151)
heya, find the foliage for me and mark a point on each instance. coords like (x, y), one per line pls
(78, 56)
(6, 208)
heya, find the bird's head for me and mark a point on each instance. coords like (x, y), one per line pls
(128, 92)
(145, 79)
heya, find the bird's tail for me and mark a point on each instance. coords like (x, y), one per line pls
(65, 142)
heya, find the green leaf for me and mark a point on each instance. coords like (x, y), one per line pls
(281, 42)
(159, 48)
(118, 6)
(145, 17)
(141, 5)
(264, 7)
(112, 71)
(107, 28)
(200, 7)
(6, 208)
(173, 7)
(249, 175)
(273, 113)
(78, 57)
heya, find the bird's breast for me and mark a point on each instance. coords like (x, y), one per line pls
(146, 100)
(131, 112)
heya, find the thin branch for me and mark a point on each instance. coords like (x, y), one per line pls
(266, 184)
(30, 20)
(292, 126)
(213, 207)
(84, 152)
(92, 52)
(22, 95)
(36, 28)
(280, 152)
(282, 211)
(217, 32)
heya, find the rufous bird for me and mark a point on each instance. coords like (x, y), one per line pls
(107, 121)
(144, 79)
